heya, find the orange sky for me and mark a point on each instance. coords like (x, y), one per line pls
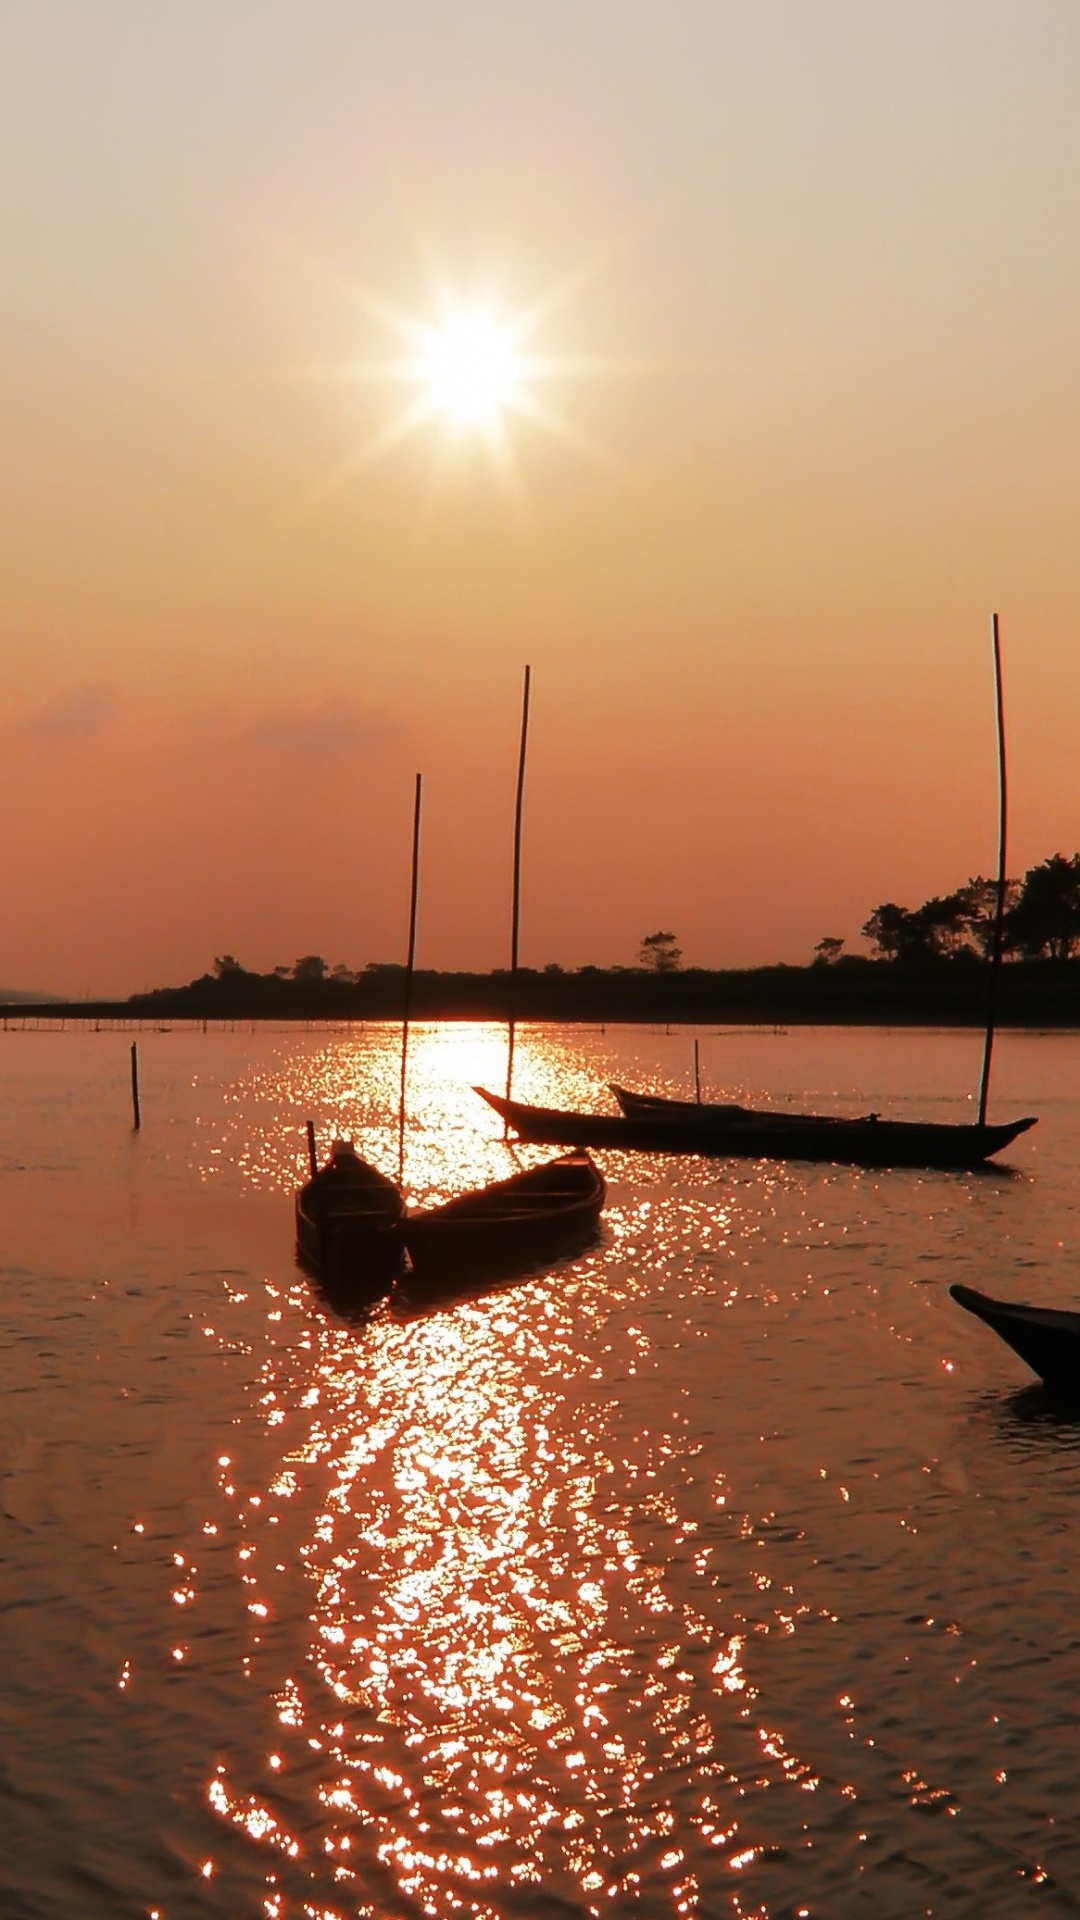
(813, 266)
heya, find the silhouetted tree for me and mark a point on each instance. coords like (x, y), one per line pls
(937, 929)
(659, 953)
(226, 967)
(311, 971)
(979, 902)
(828, 951)
(944, 926)
(893, 932)
(1044, 923)
(940, 926)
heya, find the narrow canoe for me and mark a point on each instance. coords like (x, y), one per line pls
(348, 1226)
(865, 1142)
(533, 1217)
(1047, 1339)
(892, 1142)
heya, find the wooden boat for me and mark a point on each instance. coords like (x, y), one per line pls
(863, 1142)
(888, 1141)
(348, 1225)
(533, 1217)
(1046, 1338)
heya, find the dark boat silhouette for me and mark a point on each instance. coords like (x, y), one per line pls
(353, 1232)
(1047, 1339)
(533, 1217)
(348, 1225)
(658, 1126)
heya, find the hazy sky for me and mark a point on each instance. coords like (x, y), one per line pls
(807, 275)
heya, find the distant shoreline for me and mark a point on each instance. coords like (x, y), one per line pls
(855, 992)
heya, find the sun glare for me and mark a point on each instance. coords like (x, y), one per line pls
(470, 370)
(474, 371)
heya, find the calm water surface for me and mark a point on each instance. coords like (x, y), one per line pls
(728, 1570)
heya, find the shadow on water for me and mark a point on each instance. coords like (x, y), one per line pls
(411, 1299)
(989, 1170)
(344, 1301)
(1031, 1417)
(414, 1299)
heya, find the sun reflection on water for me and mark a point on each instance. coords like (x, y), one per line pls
(504, 1684)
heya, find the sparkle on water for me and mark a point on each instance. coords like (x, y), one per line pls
(682, 1580)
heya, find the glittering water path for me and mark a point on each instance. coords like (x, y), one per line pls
(728, 1569)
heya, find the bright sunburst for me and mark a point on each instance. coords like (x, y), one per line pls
(471, 369)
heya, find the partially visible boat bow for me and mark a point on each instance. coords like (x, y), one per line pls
(1047, 1339)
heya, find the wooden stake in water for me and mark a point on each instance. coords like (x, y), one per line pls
(515, 909)
(136, 1117)
(998, 947)
(697, 1071)
(409, 966)
(313, 1158)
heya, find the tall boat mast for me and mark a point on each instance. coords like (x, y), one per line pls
(409, 968)
(997, 948)
(515, 911)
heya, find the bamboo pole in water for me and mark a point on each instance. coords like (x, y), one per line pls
(136, 1116)
(697, 1071)
(515, 911)
(409, 966)
(997, 949)
(313, 1158)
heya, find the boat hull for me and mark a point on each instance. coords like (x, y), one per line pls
(864, 1142)
(1047, 1339)
(509, 1227)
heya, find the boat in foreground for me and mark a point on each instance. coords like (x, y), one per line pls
(659, 1126)
(533, 1217)
(1046, 1338)
(353, 1232)
(348, 1225)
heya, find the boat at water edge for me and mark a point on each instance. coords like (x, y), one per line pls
(1047, 1339)
(748, 1133)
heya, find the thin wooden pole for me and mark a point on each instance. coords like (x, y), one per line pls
(697, 1070)
(136, 1116)
(313, 1158)
(515, 910)
(997, 950)
(409, 966)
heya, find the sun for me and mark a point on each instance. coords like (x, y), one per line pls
(473, 369)
(470, 369)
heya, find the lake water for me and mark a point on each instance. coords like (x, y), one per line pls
(727, 1570)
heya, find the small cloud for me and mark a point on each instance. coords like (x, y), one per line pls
(79, 713)
(334, 729)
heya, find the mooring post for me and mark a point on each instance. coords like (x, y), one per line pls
(136, 1117)
(697, 1071)
(313, 1158)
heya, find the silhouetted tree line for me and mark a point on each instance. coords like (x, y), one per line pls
(1042, 920)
